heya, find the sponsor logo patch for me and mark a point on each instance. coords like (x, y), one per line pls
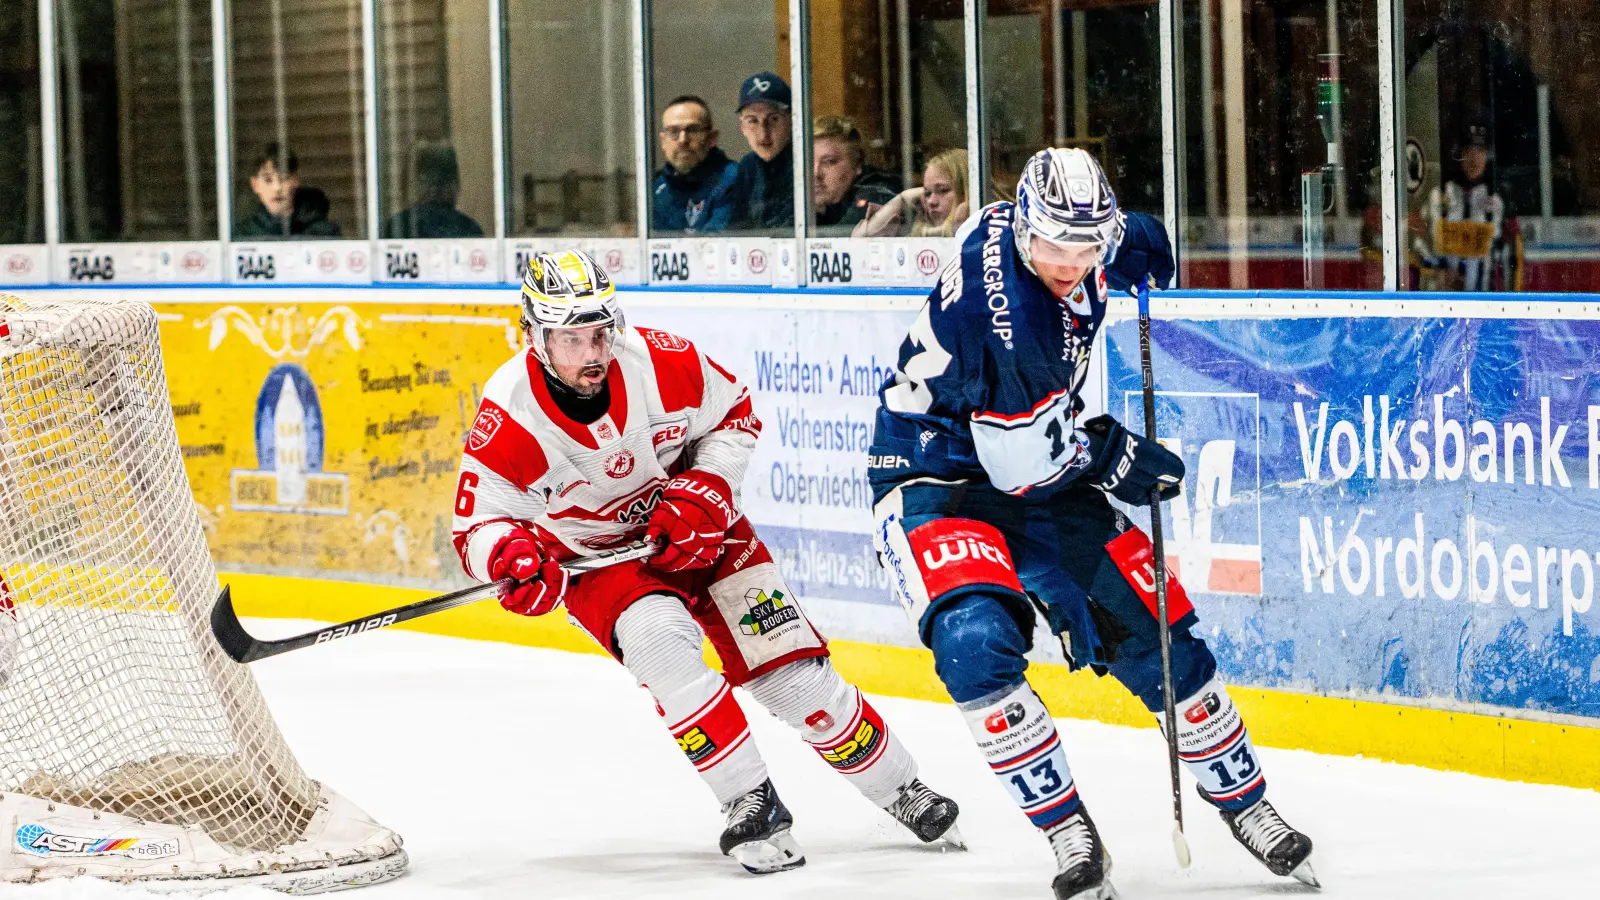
(696, 744)
(857, 749)
(767, 612)
(1010, 716)
(1203, 710)
(41, 841)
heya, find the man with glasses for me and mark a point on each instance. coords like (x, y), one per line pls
(765, 187)
(694, 190)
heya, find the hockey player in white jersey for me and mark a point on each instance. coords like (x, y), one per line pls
(598, 434)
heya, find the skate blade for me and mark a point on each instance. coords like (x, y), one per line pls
(1303, 874)
(953, 838)
(775, 854)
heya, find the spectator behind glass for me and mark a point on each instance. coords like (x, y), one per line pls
(936, 209)
(694, 191)
(1476, 246)
(764, 191)
(284, 208)
(844, 190)
(436, 181)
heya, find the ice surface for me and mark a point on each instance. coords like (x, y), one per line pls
(523, 773)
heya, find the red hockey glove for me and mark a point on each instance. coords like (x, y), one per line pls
(542, 580)
(691, 521)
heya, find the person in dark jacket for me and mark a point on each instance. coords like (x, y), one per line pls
(283, 208)
(694, 190)
(844, 189)
(437, 179)
(765, 187)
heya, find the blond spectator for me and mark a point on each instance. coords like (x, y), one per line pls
(935, 209)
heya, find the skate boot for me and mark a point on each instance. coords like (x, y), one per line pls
(1083, 867)
(757, 835)
(1270, 839)
(928, 814)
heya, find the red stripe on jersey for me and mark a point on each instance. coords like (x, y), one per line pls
(1004, 420)
(741, 418)
(575, 430)
(499, 442)
(679, 378)
(725, 373)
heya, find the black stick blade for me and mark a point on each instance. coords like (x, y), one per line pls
(230, 633)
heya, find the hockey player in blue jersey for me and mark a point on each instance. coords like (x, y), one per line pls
(991, 497)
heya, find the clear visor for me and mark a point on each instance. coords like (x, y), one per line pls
(580, 348)
(1077, 255)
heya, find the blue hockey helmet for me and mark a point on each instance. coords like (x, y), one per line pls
(1063, 197)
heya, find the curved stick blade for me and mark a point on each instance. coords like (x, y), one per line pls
(229, 632)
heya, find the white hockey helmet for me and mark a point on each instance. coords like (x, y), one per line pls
(567, 289)
(1063, 197)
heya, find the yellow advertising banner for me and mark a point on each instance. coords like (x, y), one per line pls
(327, 437)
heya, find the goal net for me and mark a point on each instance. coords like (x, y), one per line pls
(130, 747)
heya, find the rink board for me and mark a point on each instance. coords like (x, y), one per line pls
(321, 430)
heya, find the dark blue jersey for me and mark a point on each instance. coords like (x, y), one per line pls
(986, 390)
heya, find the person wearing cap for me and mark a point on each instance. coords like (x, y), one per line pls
(764, 189)
(694, 189)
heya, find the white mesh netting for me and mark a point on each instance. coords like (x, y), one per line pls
(113, 693)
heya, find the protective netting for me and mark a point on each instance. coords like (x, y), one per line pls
(116, 696)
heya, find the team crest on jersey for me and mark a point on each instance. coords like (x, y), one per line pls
(484, 428)
(620, 464)
(604, 432)
(661, 340)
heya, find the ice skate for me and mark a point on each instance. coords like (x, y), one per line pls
(1083, 867)
(758, 832)
(1270, 839)
(929, 814)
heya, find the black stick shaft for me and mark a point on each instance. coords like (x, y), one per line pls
(1169, 712)
(242, 647)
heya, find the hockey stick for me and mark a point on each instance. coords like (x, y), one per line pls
(241, 647)
(1169, 712)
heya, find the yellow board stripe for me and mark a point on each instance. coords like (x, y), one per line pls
(1513, 749)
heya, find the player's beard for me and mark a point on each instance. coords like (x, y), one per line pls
(589, 380)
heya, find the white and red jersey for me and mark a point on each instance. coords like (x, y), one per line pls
(588, 487)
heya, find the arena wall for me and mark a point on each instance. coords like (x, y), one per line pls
(1387, 526)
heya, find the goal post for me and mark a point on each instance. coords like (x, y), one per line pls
(131, 748)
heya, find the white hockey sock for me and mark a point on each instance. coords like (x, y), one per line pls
(838, 722)
(660, 645)
(1019, 740)
(1215, 747)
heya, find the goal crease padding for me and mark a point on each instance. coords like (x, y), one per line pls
(131, 748)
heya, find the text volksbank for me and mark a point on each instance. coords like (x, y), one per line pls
(1439, 553)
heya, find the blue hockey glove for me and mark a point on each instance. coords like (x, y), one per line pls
(1127, 465)
(1144, 253)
